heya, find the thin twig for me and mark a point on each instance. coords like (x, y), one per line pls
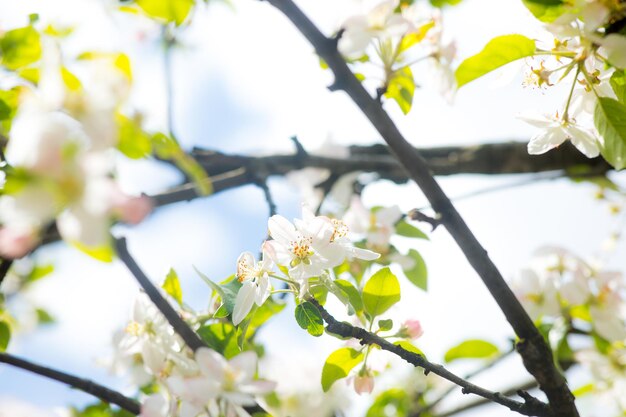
(468, 376)
(190, 337)
(417, 215)
(530, 406)
(5, 265)
(535, 352)
(105, 394)
(271, 205)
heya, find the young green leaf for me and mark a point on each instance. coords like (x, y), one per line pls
(5, 335)
(353, 294)
(406, 345)
(546, 11)
(381, 291)
(408, 230)
(401, 87)
(418, 274)
(310, 319)
(168, 10)
(618, 83)
(385, 325)
(338, 365)
(472, 349)
(171, 285)
(610, 120)
(498, 52)
(20, 47)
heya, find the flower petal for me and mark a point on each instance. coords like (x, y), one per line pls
(243, 302)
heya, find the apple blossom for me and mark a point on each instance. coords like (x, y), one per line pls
(256, 286)
(537, 293)
(380, 23)
(229, 383)
(378, 226)
(556, 131)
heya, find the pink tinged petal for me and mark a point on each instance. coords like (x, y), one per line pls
(281, 229)
(414, 328)
(546, 140)
(189, 410)
(211, 363)
(258, 387)
(244, 301)
(363, 384)
(584, 141)
(615, 46)
(278, 252)
(378, 17)
(133, 210)
(245, 363)
(16, 242)
(262, 291)
(389, 216)
(154, 406)
(239, 398)
(366, 255)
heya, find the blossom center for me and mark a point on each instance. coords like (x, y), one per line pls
(301, 249)
(340, 229)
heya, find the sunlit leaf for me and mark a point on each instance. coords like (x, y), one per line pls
(175, 11)
(610, 120)
(381, 292)
(546, 10)
(309, 318)
(498, 52)
(20, 47)
(418, 274)
(171, 285)
(401, 87)
(338, 365)
(472, 349)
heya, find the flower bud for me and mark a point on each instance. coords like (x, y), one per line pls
(413, 328)
(364, 382)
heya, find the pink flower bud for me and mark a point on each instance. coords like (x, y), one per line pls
(133, 210)
(413, 328)
(16, 243)
(363, 383)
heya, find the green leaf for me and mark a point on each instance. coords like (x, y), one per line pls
(381, 291)
(175, 11)
(618, 83)
(20, 47)
(395, 402)
(171, 285)
(401, 87)
(338, 365)
(408, 230)
(217, 335)
(472, 349)
(39, 272)
(103, 253)
(415, 37)
(385, 325)
(610, 120)
(5, 335)
(545, 10)
(498, 52)
(353, 294)
(43, 317)
(442, 3)
(133, 141)
(406, 345)
(310, 319)
(418, 275)
(584, 390)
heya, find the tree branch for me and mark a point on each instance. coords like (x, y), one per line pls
(85, 385)
(536, 354)
(190, 337)
(530, 406)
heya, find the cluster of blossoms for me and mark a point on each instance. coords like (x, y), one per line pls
(304, 249)
(590, 53)
(400, 36)
(560, 284)
(203, 383)
(60, 155)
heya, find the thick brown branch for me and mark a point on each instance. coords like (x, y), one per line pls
(536, 354)
(85, 385)
(531, 406)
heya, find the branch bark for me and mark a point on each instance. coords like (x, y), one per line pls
(530, 407)
(85, 385)
(536, 354)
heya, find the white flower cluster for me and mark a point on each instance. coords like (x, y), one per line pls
(204, 384)
(585, 49)
(60, 160)
(401, 36)
(560, 284)
(304, 249)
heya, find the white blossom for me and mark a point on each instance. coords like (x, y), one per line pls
(256, 286)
